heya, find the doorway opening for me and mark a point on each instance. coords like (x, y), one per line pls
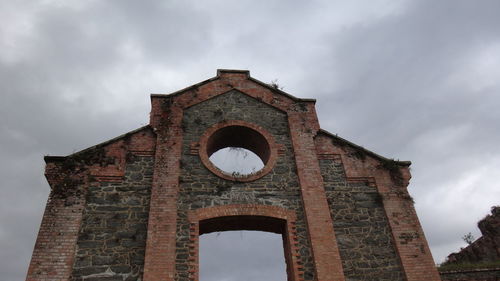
(242, 256)
(244, 247)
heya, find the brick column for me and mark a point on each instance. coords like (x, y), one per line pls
(159, 261)
(55, 245)
(317, 212)
(409, 237)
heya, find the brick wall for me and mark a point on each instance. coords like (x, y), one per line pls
(87, 205)
(363, 233)
(132, 208)
(54, 251)
(390, 178)
(112, 238)
(200, 188)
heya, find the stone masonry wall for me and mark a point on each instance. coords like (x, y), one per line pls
(361, 227)
(199, 188)
(112, 237)
(151, 181)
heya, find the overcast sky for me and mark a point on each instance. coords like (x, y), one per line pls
(411, 80)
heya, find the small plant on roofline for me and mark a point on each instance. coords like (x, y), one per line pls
(358, 154)
(392, 166)
(274, 84)
(338, 142)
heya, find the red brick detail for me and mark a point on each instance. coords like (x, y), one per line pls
(223, 83)
(317, 212)
(142, 152)
(281, 150)
(407, 232)
(194, 148)
(107, 178)
(370, 181)
(272, 150)
(141, 143)
(329, 156)
(294, 269)
(54, 251)
(159, 261)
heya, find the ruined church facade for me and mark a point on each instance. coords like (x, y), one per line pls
(133, 208)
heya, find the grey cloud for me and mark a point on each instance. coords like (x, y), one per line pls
(395, 86)
(247, 255)
(49, 95)
(392, 80)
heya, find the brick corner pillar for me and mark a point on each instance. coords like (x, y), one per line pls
(411, 244)
(159, 262)
(55, 246)
(326, 254)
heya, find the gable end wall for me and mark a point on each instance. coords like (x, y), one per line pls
(124, 209)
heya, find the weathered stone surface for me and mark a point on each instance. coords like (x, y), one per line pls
(361, 227)
(102, 197)
(112, 238)
(200, 188)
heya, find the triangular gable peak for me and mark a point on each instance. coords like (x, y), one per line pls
(159, 184)
(225, 81)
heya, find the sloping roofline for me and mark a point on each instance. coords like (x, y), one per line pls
(219, 71)
(369, 152)
(240, 71)
(49, 158)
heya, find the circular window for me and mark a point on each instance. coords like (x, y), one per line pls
(236, 160)
(227, 143)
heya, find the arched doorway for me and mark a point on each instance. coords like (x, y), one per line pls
(246, 217)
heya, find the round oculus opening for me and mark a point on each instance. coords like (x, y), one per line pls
(236, 161)
(238, 151)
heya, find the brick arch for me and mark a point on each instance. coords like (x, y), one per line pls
(267, 150)
(245, 217)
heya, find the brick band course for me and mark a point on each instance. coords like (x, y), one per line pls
(133, 208)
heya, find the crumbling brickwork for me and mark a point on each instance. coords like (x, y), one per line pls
(133, 208)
